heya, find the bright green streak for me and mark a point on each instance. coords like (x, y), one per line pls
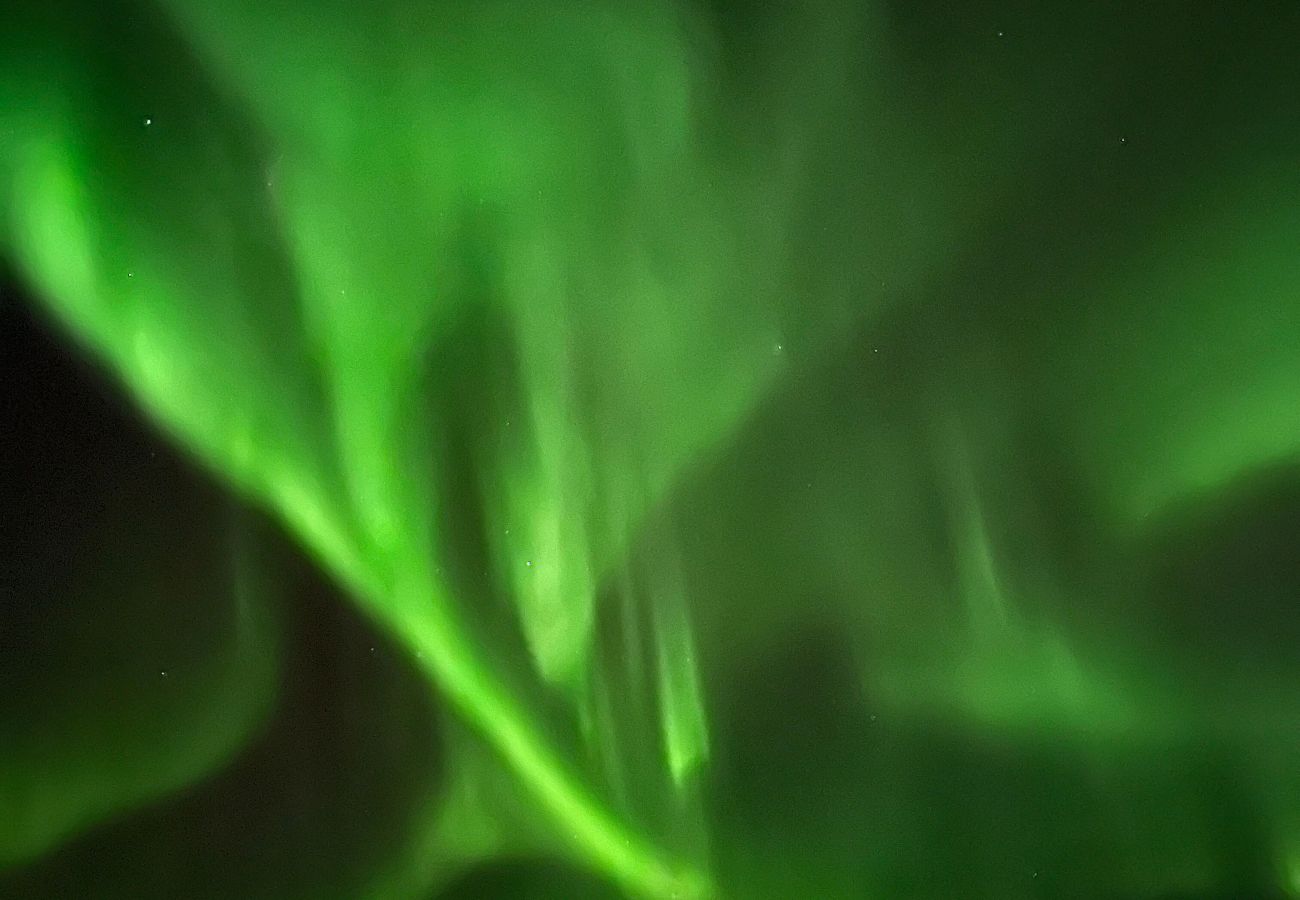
(685, 729)
(151, 338)
(275, 302)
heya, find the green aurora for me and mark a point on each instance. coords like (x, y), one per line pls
(798, 450)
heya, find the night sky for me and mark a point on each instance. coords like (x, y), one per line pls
(566, 450)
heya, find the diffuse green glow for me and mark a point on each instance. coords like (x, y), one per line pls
(302, 231)
(1203, 323)
(194, 695)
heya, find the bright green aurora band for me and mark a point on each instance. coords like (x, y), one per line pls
(739, 415)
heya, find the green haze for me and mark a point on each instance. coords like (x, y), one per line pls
(733, 418)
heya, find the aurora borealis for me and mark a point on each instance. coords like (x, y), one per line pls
(657, 449)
